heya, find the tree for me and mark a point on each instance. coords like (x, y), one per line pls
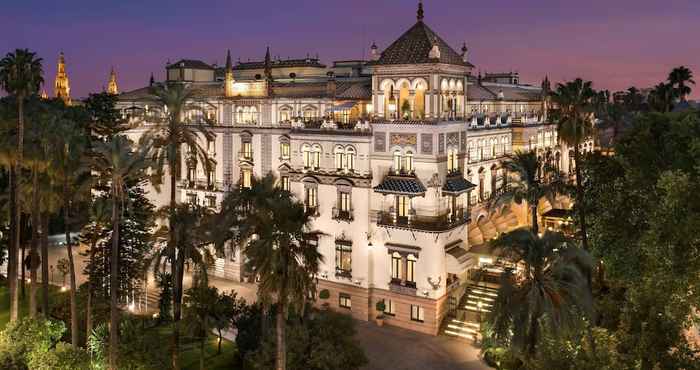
(551, 294)
(169, 133)
(275, 237)
(119, 164)
(529, 181)
(574, 117)
(661, 98)
(679, 79)
(20, 76)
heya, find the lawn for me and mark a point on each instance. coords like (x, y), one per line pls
(190, 350)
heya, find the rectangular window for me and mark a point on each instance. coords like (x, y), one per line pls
(339, 160)
(192, 199)
(284, 150)
(417, 313)
(389, 307)
(247, 150)
(316, 160)
(247, 177)
(311, 197)
(396, 262)
(211, 202)
(284, 182)
(344, 202)
(343, 259)
(344, 300)
(402, 206)
(350, 161)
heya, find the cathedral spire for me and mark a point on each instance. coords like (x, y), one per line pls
(62, 84)
(112, 84)
(228, 76)
(420, 14)
(268, 65)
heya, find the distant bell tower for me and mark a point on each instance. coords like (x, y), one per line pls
(228, 76)
(62, 84)
(112, 84)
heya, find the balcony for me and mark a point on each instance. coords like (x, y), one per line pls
(342, 215)
(403, 286)
(312, 210)
(201, 185)
(440, 223)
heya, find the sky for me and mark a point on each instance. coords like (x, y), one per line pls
(614, 43)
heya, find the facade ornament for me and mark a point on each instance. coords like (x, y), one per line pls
(420, 14)
(434, 52)
(434, 181)
(435, 285)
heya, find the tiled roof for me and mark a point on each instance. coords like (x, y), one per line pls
(280, 63)
(478, 92)
(405, 185)
(413, 47)
(354, 90)
(489, 91)
(189, 63)
(455, 185)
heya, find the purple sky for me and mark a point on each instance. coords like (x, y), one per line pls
(615, 43)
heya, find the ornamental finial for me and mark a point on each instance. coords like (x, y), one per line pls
(420, 13)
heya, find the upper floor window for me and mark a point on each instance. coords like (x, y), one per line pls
(247, 152)
(397, 160)
(409, 162)
(284, 183)
(339, 157)
(310, 114)
(286, 114)
(247, 115)
(312, 156)
(396, 263)
(452, 162)
(343, 259)
(311, 197)
(349, 158)
(403, 206)
(344, 158)
(411, 268)
(284, 150)
(247, 177)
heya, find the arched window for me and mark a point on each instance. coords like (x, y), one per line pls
(397, 161)
(409, 162)
(411, 268)
(396, 262)
(339, 157)
(350, 158)
(306, 153)
(316, 157)
(285, 114)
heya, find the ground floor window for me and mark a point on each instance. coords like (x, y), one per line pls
(343, 259)
(211, 202)
(192, 199)
(389, 307)
(285, 182)
(417, 313)
(344, 300)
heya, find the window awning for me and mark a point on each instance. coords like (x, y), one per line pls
(343, 106)
(401, 185)
(456, 185)
(557, 213)
(457, 257)
(402, 248)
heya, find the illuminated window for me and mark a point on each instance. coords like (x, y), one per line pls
(344, 300)
(316, 157)
(311, 197)
(284, 182)
(410, 268)
(409, 162)
(350, 159)
(452, 160)
(417, 313)
(397, 160)
(247, 177)
(192, 199)
(247, 150)
(306, 152)
(403, 206)
(343, 259)
(396, 262)
(339, 158)
(389, 307)
(284, 150)
(344, 201)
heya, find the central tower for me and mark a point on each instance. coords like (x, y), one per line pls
(62, 84)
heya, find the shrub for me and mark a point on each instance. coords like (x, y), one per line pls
(324, 294)
(26, 336)
(63, 357)
(380, 306)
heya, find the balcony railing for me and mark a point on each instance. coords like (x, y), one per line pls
(312, 210)
(342, 214)
(444, 222)
(403, 286)
(202, 185)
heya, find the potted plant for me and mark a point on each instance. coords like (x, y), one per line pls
(324, 295)
(380, 306)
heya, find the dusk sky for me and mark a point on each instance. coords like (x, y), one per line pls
(615, 43)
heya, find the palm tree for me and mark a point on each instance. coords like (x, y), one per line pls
(551, 293)
(73, 174)
(529, 181)
(276, 242)
(169, 133)
(661, 97)
(574, 117)
(20, 76)
(679, 79)
(118, 163)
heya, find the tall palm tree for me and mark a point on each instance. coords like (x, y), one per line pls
(574, 116)
(550, 293)
(72, 172)
(275, 235)
(529, 180)
(170, 132)
(118, 163)
(679, 79)
(661, 97)
(20, 76)
(633, 99)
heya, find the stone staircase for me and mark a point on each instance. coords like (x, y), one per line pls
(476, 302)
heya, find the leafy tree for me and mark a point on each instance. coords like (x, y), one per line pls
(119, 164)
(169, 133)
(551, 294)
(165, 300)
(661, 97)
(574, 117)
(275, 237)
(20, 339)
(20, 76)
(62, 357)
(529, 181)
(204, 309)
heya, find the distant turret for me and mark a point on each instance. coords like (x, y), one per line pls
(152, 80)
(112, 84)
(464, 52)
(420, 14)
(228, 76)
(62, 84)
(374, 52)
